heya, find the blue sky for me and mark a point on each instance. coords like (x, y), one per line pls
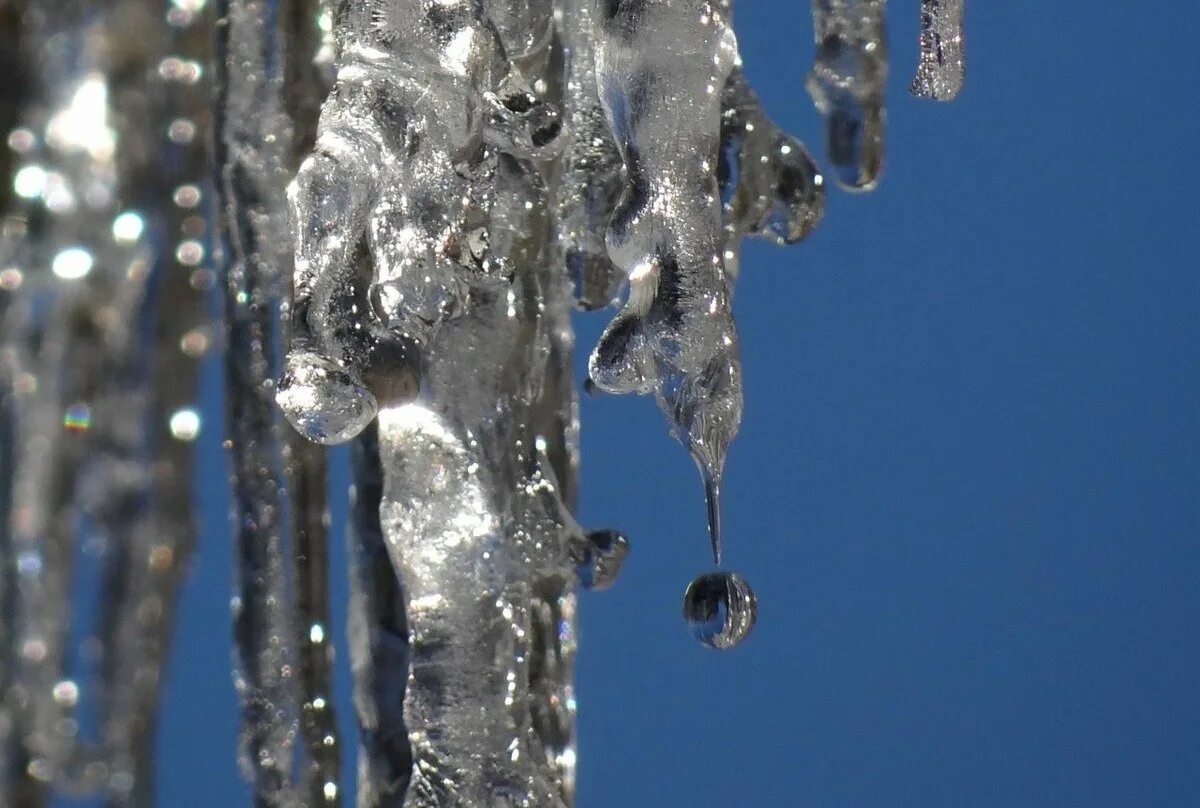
(966, 485)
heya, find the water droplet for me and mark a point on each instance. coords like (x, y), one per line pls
(127, 227)
(602, 557)
(720, 609)
(322, 400)
(66, 693)
(29, 182)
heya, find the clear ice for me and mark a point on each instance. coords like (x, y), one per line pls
(406, 201)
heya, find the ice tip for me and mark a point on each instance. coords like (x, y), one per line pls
(712, 501)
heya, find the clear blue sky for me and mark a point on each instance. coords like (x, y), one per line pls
(967, 487)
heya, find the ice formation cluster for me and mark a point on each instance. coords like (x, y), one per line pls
(398, 205)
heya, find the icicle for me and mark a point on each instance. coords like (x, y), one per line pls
(307, 83)
(442, 210)
(251, 138)
(378, 639)
(675, 334)
(591, 172)
(940, 69)
(770, 186)
(847, 83)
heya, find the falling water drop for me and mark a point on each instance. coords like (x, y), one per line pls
(720, 609)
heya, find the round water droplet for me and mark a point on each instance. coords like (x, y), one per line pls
(720, 609)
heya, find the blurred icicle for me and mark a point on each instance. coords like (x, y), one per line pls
(305, 28)
(95, 356)
(847, 82)
(279, 480)
(941, 65)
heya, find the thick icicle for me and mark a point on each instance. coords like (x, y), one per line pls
(471, 510)
(941, 63)
(846, 83)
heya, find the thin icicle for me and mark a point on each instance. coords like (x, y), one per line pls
(320, 782)
(942, 60)
(251, 159)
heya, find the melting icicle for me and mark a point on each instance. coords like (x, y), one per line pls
(675, 335)
(438, 216)
(720, 609)
(941, 66)
(847, 83)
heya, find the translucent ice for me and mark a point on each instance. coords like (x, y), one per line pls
(675, 335)
(770, 186)
(847, 82)
(592, 170)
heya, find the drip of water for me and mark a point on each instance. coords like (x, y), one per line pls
(720, 609)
